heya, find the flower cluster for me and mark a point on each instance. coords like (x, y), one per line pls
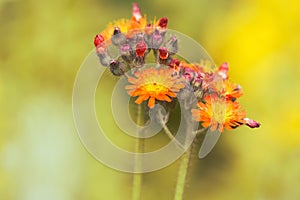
(217, 104)
(135, 38)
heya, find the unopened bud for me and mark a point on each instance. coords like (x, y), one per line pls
(140, 48)
(118, 37)
(174, 63)
(163, 53)
(126, 52)
(157, 39)
(252, 123)
(163, 22)
(117, 68)
(98, 40)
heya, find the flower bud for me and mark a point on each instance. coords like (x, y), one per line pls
(126, 52)
(117, 68)
(163, 53)
(174, 64)
(98, 40)
(140, 48)
(157, 39)
(118, 37)
(252, 123)
(163, 22)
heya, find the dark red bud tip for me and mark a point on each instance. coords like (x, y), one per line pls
(140, 49)
(136, 12)
(98, 40)
(117, 31)
(163, 53)
(163, 22)
(252, 123)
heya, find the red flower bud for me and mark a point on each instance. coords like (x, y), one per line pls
(98, 40)
(163, 22)
(174, 63)
(140, 48)
(163, 53)
(252, 123)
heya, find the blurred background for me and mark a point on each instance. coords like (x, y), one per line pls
(43, 44)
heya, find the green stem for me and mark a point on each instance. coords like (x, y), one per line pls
(139, 148)
(182, 174)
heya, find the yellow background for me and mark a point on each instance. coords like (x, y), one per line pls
(42, 46)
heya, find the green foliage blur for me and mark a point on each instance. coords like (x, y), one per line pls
(43, 44)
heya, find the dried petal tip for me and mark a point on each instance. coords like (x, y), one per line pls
(98, 40)
(163, 22)
(136, 12)
(252, 123)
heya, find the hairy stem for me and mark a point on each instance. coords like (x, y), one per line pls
(139, 148)
(183, 170)
(182, 174)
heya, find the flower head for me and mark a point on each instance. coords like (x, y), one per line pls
(154, 84)
(218, 113)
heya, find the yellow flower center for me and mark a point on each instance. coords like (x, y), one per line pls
(218, 111)
(155, 88)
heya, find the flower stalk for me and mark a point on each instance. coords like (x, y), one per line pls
(139, 148)
(182, 174)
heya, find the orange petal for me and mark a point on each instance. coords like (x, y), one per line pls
(171, 94)
(167, 98)
(205, 124)
(136, 92)
(139, 100)
(151, 102)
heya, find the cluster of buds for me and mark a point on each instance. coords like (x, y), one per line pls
(135, 38)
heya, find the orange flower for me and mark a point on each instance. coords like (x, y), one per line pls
(232, 90)
(150, 83)
(219, 113)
